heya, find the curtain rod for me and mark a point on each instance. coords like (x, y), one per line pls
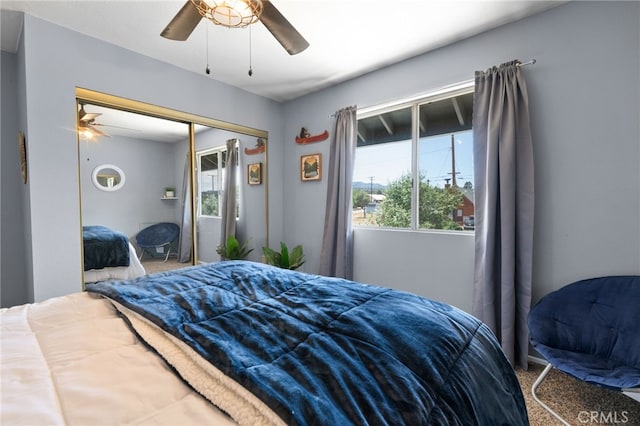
(466, 83)
(529, 62)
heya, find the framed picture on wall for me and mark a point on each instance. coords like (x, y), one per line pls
(310, 167)
(254, 173)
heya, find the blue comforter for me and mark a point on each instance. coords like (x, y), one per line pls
(329, 351)
(104, 247)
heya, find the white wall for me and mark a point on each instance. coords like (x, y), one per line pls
(584, 103)
(53, 69)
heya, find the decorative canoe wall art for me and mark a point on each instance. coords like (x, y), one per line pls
(261, 144)
(305, 137)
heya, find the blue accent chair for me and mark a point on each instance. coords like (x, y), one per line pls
(590, 330)
(156, 236)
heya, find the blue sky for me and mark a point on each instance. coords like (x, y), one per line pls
(387, 162)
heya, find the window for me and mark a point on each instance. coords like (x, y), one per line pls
(212, 165)
(414, 164)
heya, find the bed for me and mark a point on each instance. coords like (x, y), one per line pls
(108, 255)
(245, 343)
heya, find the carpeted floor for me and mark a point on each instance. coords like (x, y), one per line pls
(159, 265)
(577, 402)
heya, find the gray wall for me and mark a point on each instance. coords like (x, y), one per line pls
(13, 288)
(584, 100)
(52, 71)
(148, 167)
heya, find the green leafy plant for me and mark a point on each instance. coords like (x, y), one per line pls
(284, 258)
(232, 250)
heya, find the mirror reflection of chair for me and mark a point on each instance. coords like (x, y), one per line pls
(590, 331)
(157, 239)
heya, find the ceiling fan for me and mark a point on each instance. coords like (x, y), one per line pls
(87, 125)
(235, 13)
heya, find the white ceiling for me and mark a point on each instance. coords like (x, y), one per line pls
(347, 37)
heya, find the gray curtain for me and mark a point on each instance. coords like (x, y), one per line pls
(228, 210)
(186, 239)
(336, 257)
(504, 207)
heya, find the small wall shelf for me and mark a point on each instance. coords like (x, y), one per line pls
(168, 198)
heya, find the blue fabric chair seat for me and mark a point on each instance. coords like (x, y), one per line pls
(590, 330)
(593, 369)
(157, 235)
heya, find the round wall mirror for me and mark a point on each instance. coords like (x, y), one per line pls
(107, 177)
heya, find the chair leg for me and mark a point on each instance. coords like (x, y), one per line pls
(537, 383)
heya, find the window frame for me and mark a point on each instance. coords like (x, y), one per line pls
(415, 102)
(221, 150)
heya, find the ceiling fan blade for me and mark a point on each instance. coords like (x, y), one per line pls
(183, 24)
(89, 116)
(115, 127)
(281, 29)
(88, 132)
(98, 131)
(85, 116)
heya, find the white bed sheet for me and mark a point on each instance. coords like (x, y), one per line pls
(73, 360)
(134, 270)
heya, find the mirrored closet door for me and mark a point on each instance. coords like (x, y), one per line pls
(152, 177)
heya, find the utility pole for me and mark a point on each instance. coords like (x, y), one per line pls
(371, 188)
(453, 162)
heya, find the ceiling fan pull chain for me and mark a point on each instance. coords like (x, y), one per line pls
(250, 69)
(207, 70)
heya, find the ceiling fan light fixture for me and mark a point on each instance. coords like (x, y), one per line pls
(230, 13)
(86, 134)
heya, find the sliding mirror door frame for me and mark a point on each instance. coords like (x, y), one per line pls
(110, 101)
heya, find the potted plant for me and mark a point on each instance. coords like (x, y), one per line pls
(169, 192)
(232, 250)
(284, 258)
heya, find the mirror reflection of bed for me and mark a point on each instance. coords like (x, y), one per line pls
(135, 178)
